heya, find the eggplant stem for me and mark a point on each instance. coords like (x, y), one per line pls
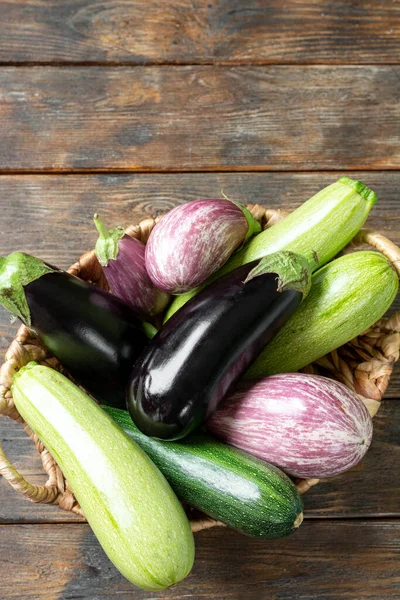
(104, 233)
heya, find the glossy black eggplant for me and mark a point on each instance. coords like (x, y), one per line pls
(198, 355)
(95, 335)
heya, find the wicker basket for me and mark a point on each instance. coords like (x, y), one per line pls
(364, 365)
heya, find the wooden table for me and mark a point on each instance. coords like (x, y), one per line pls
(128, 108)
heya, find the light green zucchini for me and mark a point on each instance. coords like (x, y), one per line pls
(347, 296)
(127, 501)
(324, 224)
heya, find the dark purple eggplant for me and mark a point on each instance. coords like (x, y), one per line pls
(123, 262)
(199, 354)
(95, 335)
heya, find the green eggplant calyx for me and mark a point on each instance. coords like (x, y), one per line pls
(107, 246)
(253, 225)
(359, 187)
(293, 270)
(16, 271)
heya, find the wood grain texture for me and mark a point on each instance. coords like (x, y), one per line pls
(51, 216)
(323, 561)
(200, 118)
(368, 490)
(199, 31)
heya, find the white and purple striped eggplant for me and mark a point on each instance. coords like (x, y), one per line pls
(309, 426)
(195, 239)
(123, 262)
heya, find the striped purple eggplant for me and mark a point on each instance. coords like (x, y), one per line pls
(309, 426)
(195, 239)
(123, 262)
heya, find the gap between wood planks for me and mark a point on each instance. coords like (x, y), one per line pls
(389, 518)
(215, 63)
(204, 170)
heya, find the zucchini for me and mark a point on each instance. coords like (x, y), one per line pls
(128, 503)
(347, 296)
(324, 224)
(225, 483)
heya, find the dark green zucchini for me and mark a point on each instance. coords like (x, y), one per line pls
(227, 484)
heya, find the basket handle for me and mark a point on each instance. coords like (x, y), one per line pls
(53, 491)
(46, 494)
(381, 243)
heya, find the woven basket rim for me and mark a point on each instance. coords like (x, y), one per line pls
(364, 365)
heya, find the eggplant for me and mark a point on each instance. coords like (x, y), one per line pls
(193, 240)
(95, 335)
(122, 259)
(308, 426)
(195, 359)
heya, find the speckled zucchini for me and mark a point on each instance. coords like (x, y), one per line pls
(347, 296)
(225, 483)
(128, 503)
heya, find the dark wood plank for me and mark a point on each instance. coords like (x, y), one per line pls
(322, 561)
(200, 31)
(50, 216)
(200, 118)
(370, 489)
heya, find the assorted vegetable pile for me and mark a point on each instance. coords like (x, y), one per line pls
(250, 308)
